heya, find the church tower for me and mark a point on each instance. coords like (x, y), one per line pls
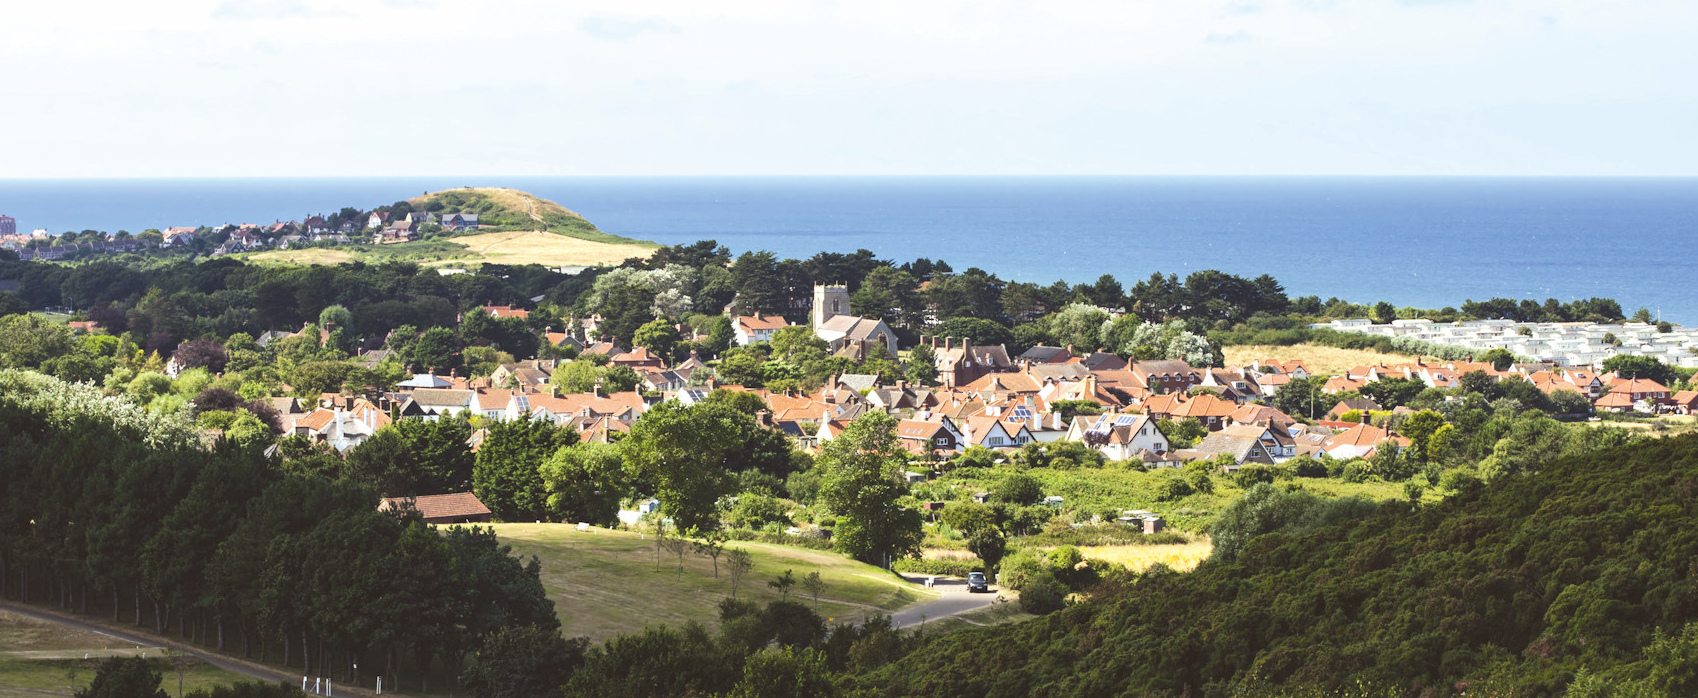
(830, 302)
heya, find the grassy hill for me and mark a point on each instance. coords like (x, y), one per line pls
(607, 583)
(1511, 588)
(514, 228)
(511, 210)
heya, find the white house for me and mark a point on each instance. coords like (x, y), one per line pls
(1119, 436)
(748, 330)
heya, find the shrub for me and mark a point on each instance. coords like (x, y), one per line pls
(952, 568)
(1043, 596)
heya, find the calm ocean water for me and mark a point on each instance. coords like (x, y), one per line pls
(1412, 241)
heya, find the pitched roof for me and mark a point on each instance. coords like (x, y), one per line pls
(442, 397)
(759, 322)
(440, 506)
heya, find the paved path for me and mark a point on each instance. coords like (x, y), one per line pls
(956, 600)
(149, 640)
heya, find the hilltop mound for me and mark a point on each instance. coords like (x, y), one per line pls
(502, 209)
(1521, 583)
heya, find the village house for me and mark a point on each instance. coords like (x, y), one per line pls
(1118, 436)
(929, 436)
(748, 330)
(961, 364)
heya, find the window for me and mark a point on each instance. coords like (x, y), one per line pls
(996, 440)
(941, 440)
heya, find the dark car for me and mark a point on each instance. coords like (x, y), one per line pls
(976, 582)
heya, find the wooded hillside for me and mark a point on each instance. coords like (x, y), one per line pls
(1588, 564)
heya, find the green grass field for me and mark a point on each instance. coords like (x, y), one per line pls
(38, 659)
(606, 584)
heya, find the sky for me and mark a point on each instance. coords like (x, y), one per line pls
(869, 87)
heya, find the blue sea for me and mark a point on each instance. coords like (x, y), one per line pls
(1427, 242)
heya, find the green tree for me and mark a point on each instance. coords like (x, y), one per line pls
(1183, 433)
(687, 455)
(1500, 358)
(785, 672)
(989, 544)
(523, 662)
(585, 482)
(577, 377)
(1636, 366)
(744, 401)
(506, 475)
(1016, 489)
(658, 335)
(124, 677)
(922, 365)
(861, 471)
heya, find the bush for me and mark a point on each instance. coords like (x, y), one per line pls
(1043, 596)
(949, 567)
(1021, 570)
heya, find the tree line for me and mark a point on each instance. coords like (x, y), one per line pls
(111, 509)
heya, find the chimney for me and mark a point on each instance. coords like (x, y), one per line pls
(949, 342)
(1070, 350)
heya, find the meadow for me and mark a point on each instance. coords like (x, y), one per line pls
(609, 583)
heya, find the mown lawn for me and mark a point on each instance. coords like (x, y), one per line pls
(608, 583)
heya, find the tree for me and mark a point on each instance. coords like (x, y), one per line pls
(523, 662)
(505, 473)
(783, 583)
(687, 455)
(815, 586)
(1500, 359)
(1392, 392)
(414, 457)
(711, 544)
(334, 317)
(1183, 433)
(202, 353)
(744, 401)
(738, 562)
(620, 379)
(861, 470)
(1420, 428)
(1016, 489)
(658, 335)
(125, 677)
(1636, 366)
(786, 672)
(1079, 326)
(436, 350)
(988, 543)
(978, 330)
(1302, 397)
(922, 365)
(584, 482)
(577, 377)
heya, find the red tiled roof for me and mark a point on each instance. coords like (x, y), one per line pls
(441, 506)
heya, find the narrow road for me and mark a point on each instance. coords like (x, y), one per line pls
(149, 640)
(956, 600)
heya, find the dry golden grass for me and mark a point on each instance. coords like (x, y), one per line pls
(1330, 361)
(1138, 558)
(312, 255)
(548, 249)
